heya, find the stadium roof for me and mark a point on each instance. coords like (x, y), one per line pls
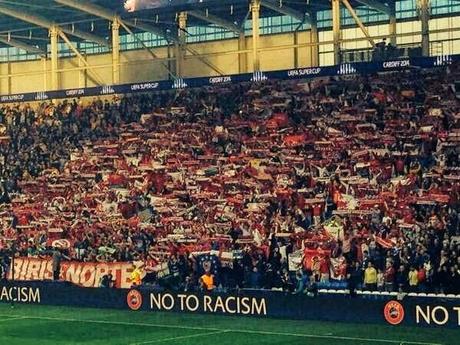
(26, 22)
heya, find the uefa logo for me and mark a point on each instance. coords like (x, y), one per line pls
(393, 312)
(41, 96)
(443, 60)
(179, 83)
(346, 68)
(107, 90)
(134, 300)
(258, 76)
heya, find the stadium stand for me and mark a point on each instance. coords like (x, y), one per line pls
(295, 185)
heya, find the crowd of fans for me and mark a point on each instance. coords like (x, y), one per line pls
(278, 185)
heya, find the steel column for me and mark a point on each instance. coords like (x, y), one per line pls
(180, 47)
(314, 49)
(115, 51)
(393, 24)
(54, 35)
(255, 11)
(424, 14)
(336, 29)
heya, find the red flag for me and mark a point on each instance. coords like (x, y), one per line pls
(312, 258)
(294, 140)
(338, 268)
(385, 243)
(281, 119)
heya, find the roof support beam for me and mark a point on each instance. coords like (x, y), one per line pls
(21, 45)
(205, 16)
(81, 57)
(358, 21)
(203, 59)
(182, 47)
(279, 7)
(45, 23)
(149, 50)
(150, 28)
(101, 12)
(376, 5)
(88, 7)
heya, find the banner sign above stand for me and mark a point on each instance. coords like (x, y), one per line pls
(344, 69)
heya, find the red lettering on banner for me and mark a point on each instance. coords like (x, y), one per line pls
(85, 274)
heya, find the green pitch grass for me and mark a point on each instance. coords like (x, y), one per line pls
(43, 325)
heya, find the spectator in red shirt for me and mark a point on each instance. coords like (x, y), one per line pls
(389, 276)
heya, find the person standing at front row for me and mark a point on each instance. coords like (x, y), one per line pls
(57, 258)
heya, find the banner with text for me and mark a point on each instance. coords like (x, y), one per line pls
(380, 309)
(86, 274)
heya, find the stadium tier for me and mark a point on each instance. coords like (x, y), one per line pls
(335, 182)
(244, 172)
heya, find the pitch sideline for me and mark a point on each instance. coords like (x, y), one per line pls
(287, 334)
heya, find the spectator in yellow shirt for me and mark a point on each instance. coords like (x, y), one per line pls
(370, 277)
(412, 277)
(136, 276)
